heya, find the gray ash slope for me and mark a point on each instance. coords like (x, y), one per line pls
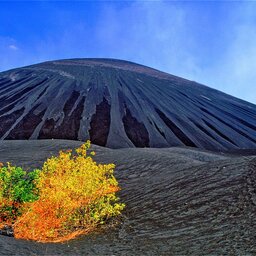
(179, 201)
(120, 104)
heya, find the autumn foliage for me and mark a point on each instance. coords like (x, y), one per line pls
(73, 195)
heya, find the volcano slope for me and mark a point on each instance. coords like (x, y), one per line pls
(119, 104)
(179, 201)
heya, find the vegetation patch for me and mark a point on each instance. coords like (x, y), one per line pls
(71, 195)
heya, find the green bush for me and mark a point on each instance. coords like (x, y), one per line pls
(16, 188)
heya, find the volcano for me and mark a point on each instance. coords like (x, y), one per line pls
(120, 104)
(181, 198)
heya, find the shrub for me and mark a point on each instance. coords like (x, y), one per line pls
(75, 195)
(17, 187)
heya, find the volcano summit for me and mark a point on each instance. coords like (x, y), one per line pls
(119, 104)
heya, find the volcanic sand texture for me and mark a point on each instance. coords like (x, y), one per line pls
(179, 201)
(120, 104)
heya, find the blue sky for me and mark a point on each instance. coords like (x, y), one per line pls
(211, 42)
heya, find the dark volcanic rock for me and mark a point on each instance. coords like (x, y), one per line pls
(120, 104)
(100, 124)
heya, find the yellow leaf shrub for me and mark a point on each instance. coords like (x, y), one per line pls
(75, 195)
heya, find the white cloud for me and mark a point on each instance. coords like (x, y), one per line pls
(235, 71)
(160, 35)
(13, 47)
(155, 34)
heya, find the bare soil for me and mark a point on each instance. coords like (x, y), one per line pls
(180, 201)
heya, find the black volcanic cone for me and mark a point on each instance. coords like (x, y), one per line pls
(120, 104)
